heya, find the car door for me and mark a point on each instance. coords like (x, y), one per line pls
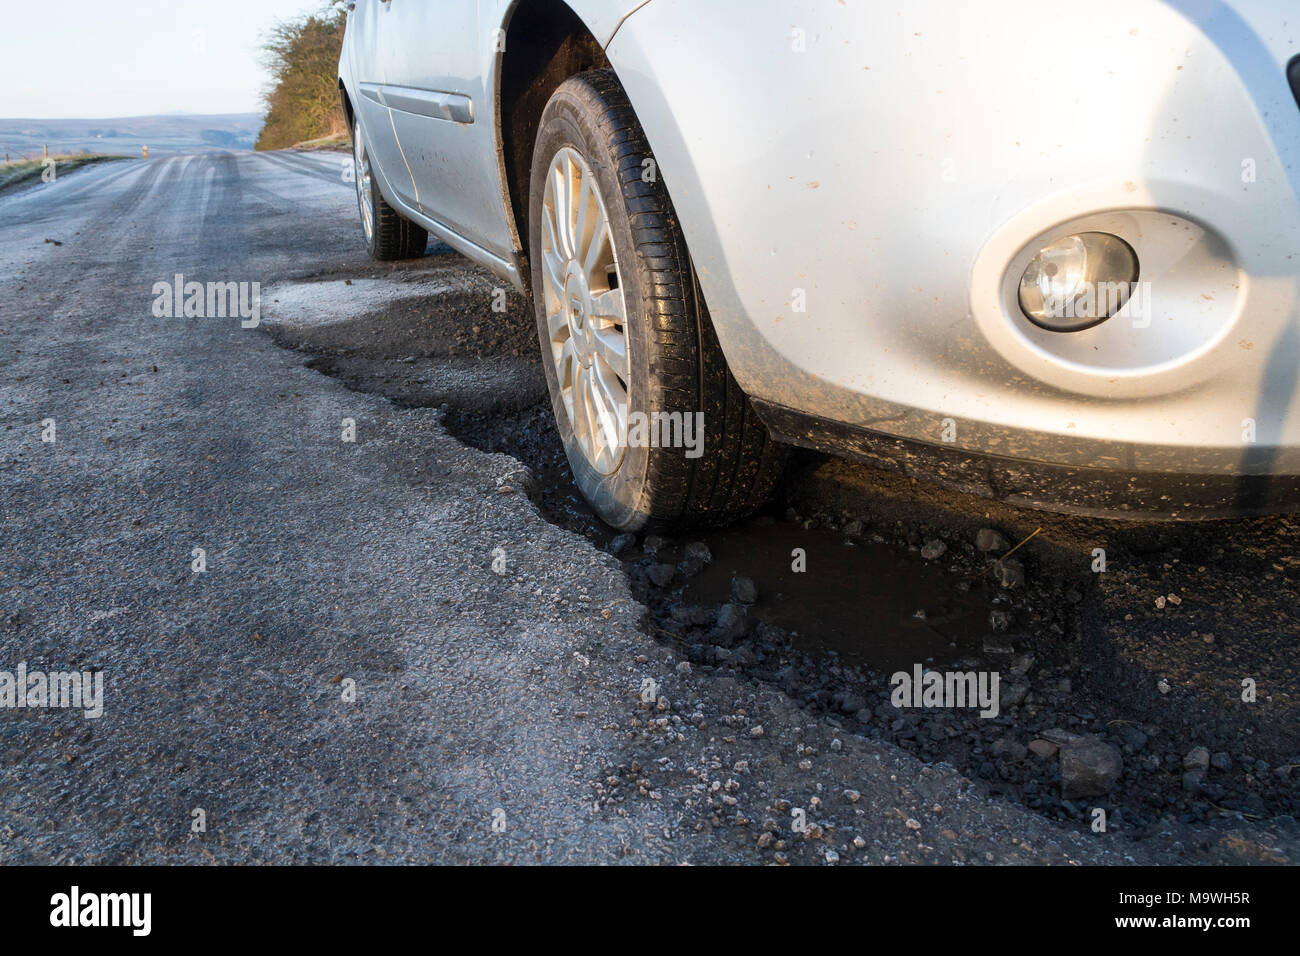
(437, 58)
(366, 58)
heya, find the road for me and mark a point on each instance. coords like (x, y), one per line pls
(404, 647)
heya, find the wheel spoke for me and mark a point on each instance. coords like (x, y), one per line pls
(563, 210)
(566, 363)
(555, 195)
(556, 323)
(571, 385)
(552, 237)
(610, 402)
(611, 347)
(570, 205)
(553, 270)
(609, 306)
(584, 202)
(596, 249)
(611, 399)
(583, 398)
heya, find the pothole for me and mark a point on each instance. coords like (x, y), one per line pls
(889, 582)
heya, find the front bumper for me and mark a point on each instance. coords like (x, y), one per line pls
(1112, 492)
(856, 211)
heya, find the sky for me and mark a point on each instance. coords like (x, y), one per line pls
(96, 59)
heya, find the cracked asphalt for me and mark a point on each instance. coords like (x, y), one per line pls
(393, 655)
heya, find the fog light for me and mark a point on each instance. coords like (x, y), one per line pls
(1076, 282)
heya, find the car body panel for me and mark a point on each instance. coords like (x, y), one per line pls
(956, 135)
(363, 66)
(422, 75)
(433, 84)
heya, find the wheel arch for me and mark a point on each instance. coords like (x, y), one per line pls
(542, 43)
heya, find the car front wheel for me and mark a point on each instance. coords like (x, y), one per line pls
(656, 430)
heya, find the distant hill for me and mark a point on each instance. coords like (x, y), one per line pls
(176, 133)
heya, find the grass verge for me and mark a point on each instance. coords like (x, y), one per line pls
(24, 170)
(337, 143)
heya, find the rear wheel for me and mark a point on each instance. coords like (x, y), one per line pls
(388, 236)
(657, 431)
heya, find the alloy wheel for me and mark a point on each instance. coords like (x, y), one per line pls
(585, 310)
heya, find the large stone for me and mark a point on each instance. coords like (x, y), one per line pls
(744, 590)
(661, 575)
(1089, 768)
(1043, 748)
(933, 550)
(731, 622)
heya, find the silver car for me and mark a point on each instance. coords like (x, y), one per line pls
(1043, 251)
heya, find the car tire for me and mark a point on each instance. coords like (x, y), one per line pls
(670, 353)
(389, 236)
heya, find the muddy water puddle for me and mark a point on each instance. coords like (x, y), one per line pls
(873, 605)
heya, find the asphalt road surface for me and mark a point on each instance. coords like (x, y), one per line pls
(398, 648)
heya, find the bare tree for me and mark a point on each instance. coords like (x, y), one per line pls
(302, 101)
